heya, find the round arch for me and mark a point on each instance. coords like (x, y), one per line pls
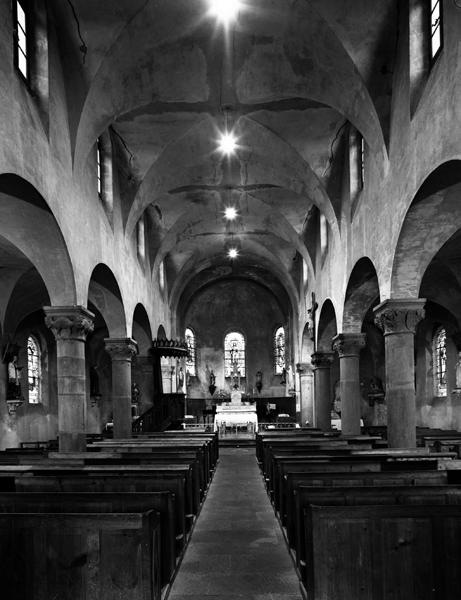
(141, 329)
(104, 293)
(327, 326)
(28, 225)
(432, 219)
(362, 293)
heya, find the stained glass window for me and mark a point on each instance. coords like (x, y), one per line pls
(439, 354)
(190, 360)
(99, 156)
(279, 350)
(34, 370)
(234, 354)
(436, 27)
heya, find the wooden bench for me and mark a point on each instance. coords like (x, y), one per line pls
(306, 496)
(402, 552)
(106, 502)
(80, 556)
(173, 482)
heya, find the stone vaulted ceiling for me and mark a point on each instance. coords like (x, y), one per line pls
(286, 77)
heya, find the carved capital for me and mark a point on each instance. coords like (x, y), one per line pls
(399, 316)
(349, 344)
(121, 348)
(303, 368)
(322, 360)
(69, 322)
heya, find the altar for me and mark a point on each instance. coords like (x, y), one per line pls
(235, 415)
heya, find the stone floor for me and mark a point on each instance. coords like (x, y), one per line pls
(237, 549)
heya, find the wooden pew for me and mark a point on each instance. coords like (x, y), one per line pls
(80, 556)
(173, 482)
(405, 552)
(306, 496)
(106, 502)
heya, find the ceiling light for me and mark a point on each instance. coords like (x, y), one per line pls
(230, 213)
(228, 143)
(225, 10)
(232, 253)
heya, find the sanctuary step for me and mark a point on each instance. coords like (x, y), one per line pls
(237, 549)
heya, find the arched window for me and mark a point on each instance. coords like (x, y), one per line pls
(34, 370)
(279, 350)
(234, 354)
(439, 357)
(190, 360)
(161, 276)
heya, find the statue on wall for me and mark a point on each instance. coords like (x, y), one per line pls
(14, 381)
(290, 380)
(212, 386)
(259, 381)
(458, 371)
(181, 380)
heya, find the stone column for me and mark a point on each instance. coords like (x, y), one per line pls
(322, 389)
(348, 346)
(398, 319)
(70, 326)
(306, 391)
(121, 351)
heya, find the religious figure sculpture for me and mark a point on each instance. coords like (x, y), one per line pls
(290, 379)
(14, 383)
(181, 380)
(236, 395)
(458, 371)
(212, 386)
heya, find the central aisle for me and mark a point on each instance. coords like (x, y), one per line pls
(237, 549)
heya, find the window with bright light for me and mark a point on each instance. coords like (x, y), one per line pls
(439, 357)
(141, 239)
(34, 370)
(234, 354)
(22, 42)
(436, 30)
(190, 360)
(305, 271)
(323, 235)
(361, 160)
(161, 276)
(279, 351)
(99, 166)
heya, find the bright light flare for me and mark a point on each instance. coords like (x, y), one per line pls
(225, 10)
(232, 253)
(230, 213)
(227, 144)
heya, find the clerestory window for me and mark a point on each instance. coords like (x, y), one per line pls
(22, 37)
(436, 30)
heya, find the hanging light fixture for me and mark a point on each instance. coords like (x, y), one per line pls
(224, 11)
(227, 144)
(232, 253)
(230, 213)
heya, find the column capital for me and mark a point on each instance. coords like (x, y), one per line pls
(121, 348)
(322, 360)
(303, 367)
(69, 322)
(349, 344)
(400, 315)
